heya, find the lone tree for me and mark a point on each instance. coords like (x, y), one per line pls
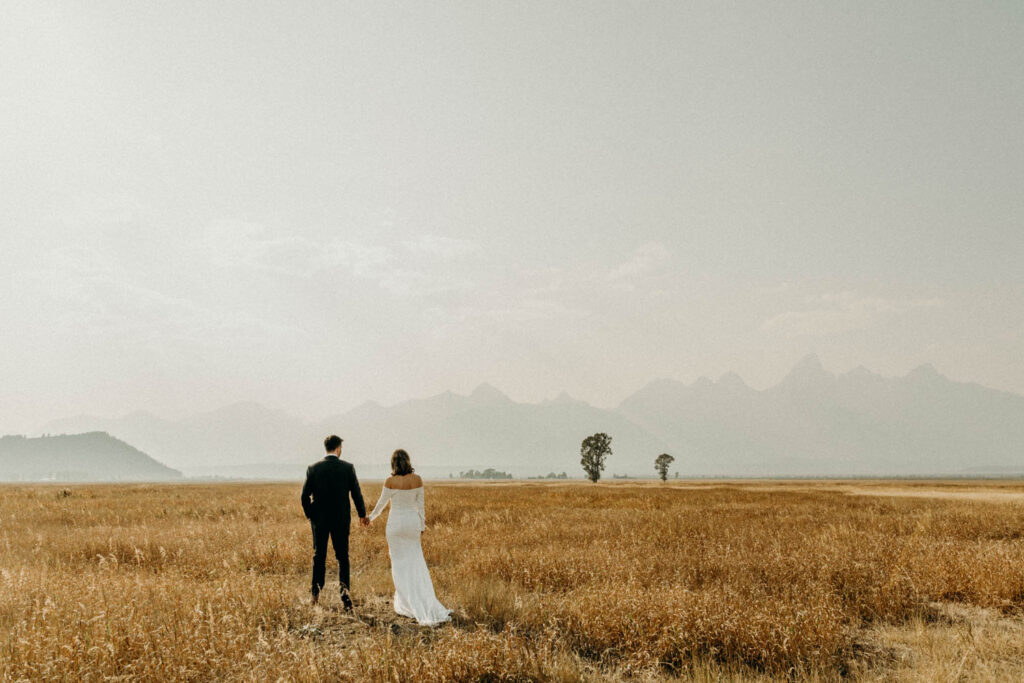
(661, 464)
(593, 451)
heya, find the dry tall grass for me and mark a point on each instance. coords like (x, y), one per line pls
(549, 582)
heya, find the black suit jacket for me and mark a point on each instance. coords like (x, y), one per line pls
(329, 483)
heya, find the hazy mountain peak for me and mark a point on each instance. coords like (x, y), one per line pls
(366, 408)
(655, 392)
(922, 371)
(808, 368)
(240, 409)
(448, 396)
(807, 378)
(731, 380)
(242, 415)
(810, 361)
(141, 415)
(488, 392)
(860, 371)
(703, 382)
(663, 384)
(563, 398)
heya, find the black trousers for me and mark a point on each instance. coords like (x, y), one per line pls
(337, 531)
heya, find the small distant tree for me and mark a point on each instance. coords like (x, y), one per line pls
(661, 464)
(593, 451)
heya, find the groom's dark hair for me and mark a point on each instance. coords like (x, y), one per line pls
(332, 442)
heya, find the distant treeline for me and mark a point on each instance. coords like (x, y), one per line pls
(489, 473)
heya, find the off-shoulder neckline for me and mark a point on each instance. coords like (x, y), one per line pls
(412, 489)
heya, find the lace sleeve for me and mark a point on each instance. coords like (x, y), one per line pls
(420, 509)
(382, 502)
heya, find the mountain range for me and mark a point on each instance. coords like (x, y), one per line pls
(812, 423)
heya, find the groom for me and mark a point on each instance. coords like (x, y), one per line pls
(329, 483)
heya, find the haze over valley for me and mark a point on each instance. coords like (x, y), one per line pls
(812, 423)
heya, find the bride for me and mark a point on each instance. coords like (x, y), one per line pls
(414, 591)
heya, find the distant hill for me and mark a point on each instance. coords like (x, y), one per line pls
(95, 456)
(239, 434)
(812, 423)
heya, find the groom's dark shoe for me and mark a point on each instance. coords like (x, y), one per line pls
(346, 602)
(316, 598)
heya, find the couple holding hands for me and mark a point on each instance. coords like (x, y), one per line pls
(325, 501)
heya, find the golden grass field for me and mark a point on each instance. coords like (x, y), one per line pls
(571, 581)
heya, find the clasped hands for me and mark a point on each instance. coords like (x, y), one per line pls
(365, 522)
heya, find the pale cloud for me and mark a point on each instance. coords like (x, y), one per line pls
(238, 244)
(840, 312)
(98, 210)
(96, 297)
(849, 300)
(441, 246)
(71, 260)
(777, 288)
(470, 320)
(107, 310)
(360, 260)
(533, 310)
(413, 282)
(145, 313)
(648, 257)
(400, 270)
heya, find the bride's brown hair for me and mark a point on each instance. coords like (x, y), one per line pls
(400, 463)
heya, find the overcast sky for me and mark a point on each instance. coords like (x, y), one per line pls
(310, 205)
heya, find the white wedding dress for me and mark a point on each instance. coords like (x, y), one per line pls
(414, 591)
